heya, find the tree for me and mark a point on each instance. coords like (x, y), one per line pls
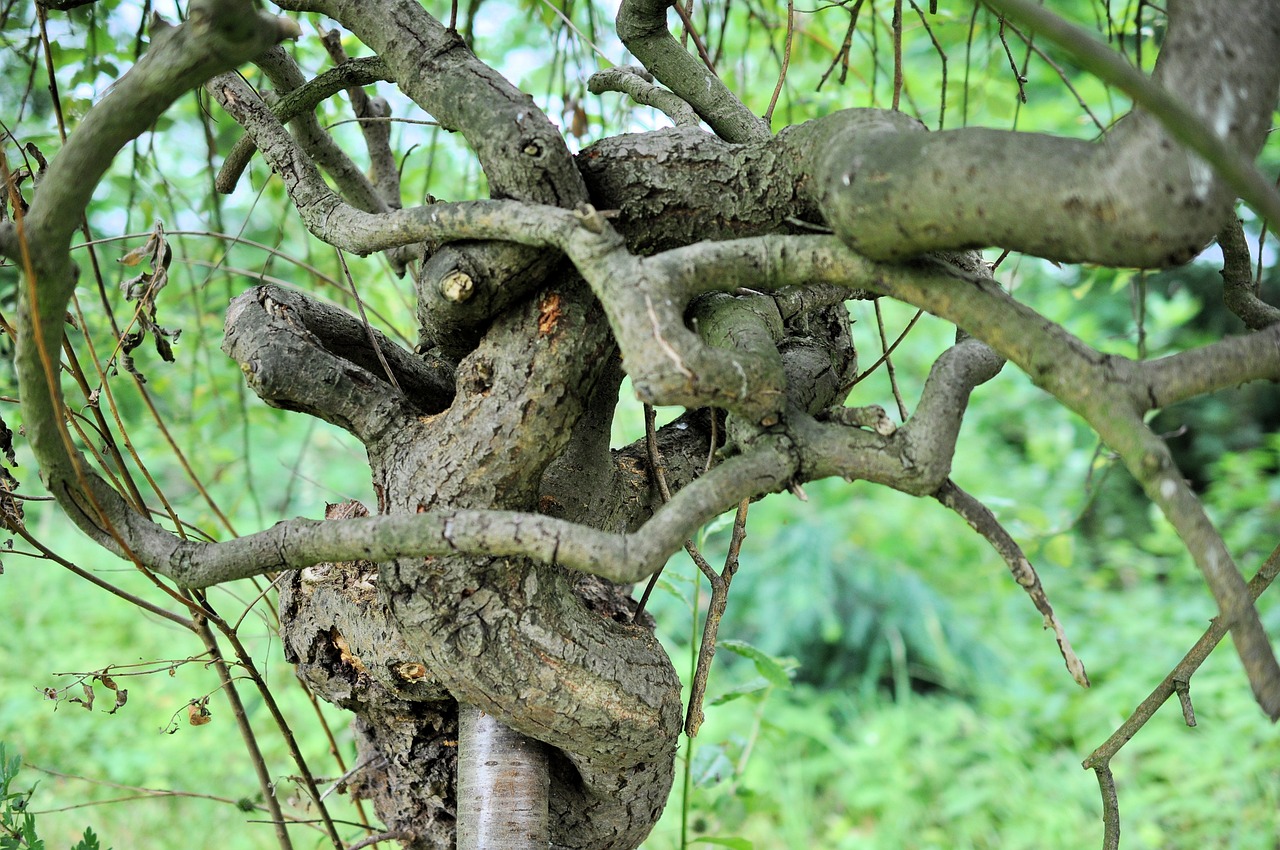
(485, 599)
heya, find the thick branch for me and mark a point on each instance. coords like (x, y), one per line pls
(621, 558)
(219, 34)
(1226, 363)
(298, 354)
(642, 26)
(1206, 127)
(892, 194)
(1239, 287)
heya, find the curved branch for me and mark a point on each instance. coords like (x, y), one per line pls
(638, 85)
(286, 76)
(1103, 389)
(892, 194)
(982, 520)
(302, 99)
(218, 34)
(621, 558)
(522, 153)
(916, 458)
(642, 26)
(1207, 128)
(1239, 288)
(297, 354)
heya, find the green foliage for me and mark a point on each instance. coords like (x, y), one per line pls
(17, 823)
(853, 616)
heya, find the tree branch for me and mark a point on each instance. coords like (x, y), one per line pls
(916, 458)
(642, 26)
(1178, 681)
(620, 558)
(981, 520)
(376, 132)
(637, 84)
(522, 153)
(1226, 363)
(297, 354)
(297, 101)
(1239, 288)
(1209, 127)
(217, 35)
(892, 194)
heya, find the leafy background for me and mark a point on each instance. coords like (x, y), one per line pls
(882, 682)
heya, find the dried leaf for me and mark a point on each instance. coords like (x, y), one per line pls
(198, 713)
(143, 289)
(6, 442)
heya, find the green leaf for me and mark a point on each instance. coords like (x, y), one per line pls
(710, 766)
(88, 842)
(754, 686)
(735, 843)
(776, 670)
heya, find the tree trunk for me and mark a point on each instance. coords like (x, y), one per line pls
(503, 786)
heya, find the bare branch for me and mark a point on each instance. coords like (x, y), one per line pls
(625, 79)
(298, 354)
(376, 132)
(1175, 682)
(218, 34)
(299, 100)
(642, 26)
(1239, 286)
(984, 522)
(621, 558)
(892, 194)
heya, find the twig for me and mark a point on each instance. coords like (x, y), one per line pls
(1013, 64)
(660, 479)
(247, 734)
(1178, 681)
(786, 62)
(364, 320)
(896, 26)
(984, 522)
(715, 612)
(857, 379)
(369, 841)
(687, 21)
(942, 55)
(888, 363)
